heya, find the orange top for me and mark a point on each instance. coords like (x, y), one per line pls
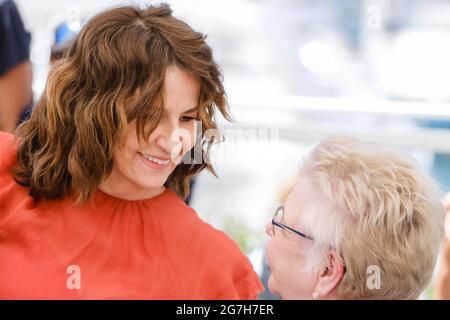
(156, 248)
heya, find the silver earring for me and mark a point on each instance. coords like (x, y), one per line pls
(315, 295)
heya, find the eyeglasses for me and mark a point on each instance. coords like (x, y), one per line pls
(278, 216)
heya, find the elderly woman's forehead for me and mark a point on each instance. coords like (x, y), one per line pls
(304, 199)
(298, 197)
(303, 189)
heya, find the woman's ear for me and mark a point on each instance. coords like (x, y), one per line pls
(330, 277)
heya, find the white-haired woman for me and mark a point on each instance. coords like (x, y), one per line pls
(362, 222)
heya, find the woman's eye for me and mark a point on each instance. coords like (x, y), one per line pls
(187, 118)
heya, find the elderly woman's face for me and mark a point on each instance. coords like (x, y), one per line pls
(286, 251)
(141, 168)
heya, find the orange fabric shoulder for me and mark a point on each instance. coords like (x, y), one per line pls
(211, 254)
(228, 273)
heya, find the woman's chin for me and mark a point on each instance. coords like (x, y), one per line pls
(149, 186)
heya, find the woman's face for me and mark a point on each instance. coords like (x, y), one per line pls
(286, 251)
(141, 168)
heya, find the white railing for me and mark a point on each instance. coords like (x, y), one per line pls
(309, 119)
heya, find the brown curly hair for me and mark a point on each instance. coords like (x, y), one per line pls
(66, 147)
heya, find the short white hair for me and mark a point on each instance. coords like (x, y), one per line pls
(374, 206)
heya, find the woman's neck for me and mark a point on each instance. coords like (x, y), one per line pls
(129, 191)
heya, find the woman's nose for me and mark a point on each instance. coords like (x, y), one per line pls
(168, 139)
(269, 228)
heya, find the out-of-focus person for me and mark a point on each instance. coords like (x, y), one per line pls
(15, 67)
(363, 222)
(64, 35)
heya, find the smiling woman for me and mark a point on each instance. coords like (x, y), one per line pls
(128, 67)
(93, 180)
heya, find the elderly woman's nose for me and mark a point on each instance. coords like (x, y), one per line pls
(269, 229)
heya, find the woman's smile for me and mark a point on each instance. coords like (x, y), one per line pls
(158, 163)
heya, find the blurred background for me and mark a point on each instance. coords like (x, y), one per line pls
(296, 71)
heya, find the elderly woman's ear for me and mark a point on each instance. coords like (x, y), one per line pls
(329, 279)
